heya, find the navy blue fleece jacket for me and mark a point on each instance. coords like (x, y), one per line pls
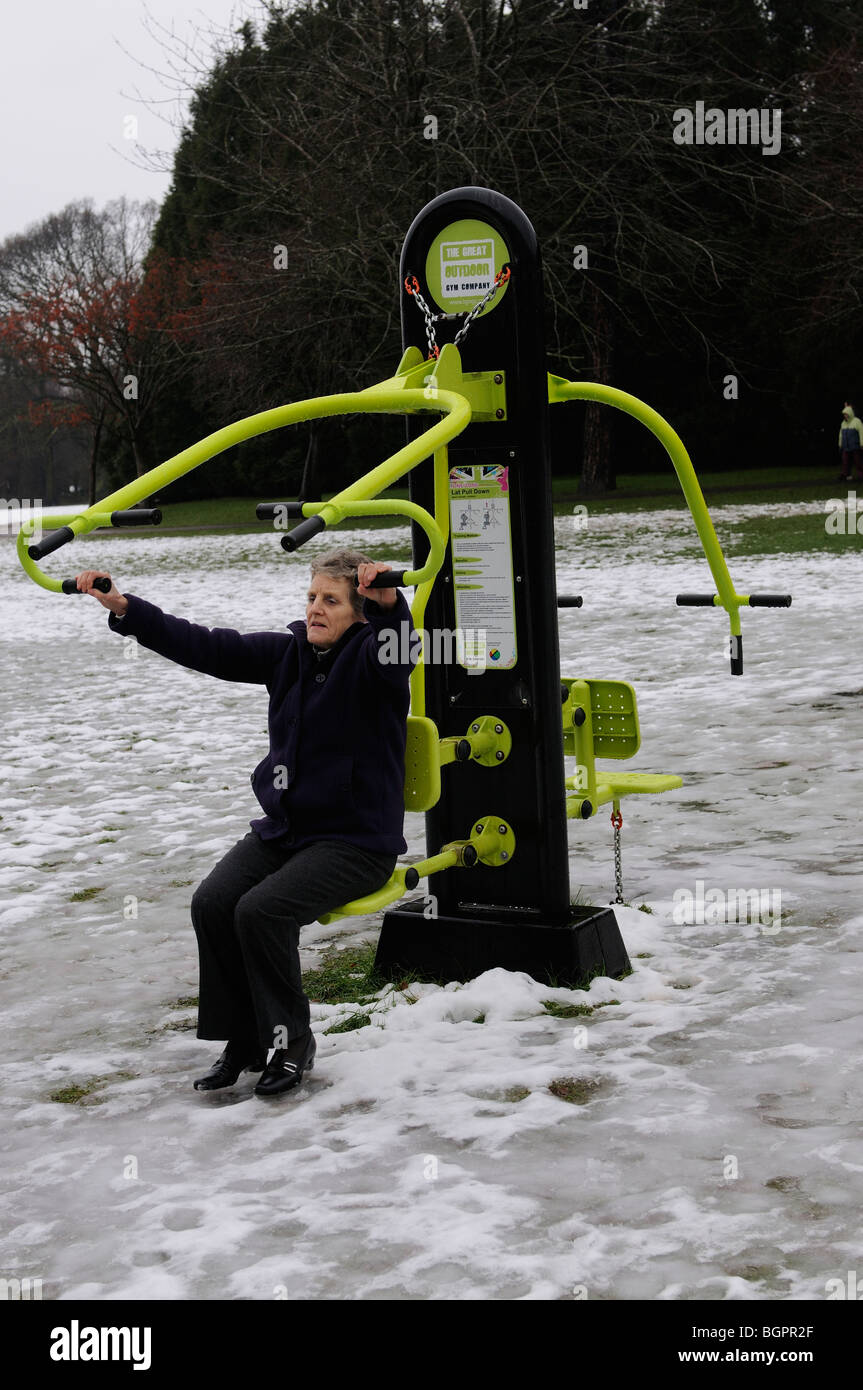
(335, 769)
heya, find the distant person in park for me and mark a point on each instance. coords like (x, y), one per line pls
(851, 443)
(331, 787)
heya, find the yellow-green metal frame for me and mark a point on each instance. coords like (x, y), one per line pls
(726, 596)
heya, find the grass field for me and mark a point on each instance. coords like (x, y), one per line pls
(647, 490)
(770, 533)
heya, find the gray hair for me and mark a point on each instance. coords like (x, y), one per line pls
(342, 564)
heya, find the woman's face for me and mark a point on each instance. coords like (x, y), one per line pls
(329, 611)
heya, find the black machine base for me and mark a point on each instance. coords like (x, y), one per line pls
(460, 948)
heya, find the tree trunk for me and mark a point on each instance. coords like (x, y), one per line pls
(310, 463)
(597, 468)
(48, 471)
(140, 465)
(94, 457)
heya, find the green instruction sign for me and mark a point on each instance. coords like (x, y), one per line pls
(482, 560)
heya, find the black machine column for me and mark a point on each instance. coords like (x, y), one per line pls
(498, 576)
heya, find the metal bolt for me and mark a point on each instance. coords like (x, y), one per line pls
(498, 728)
(474, 728)
(503, 854)
(512, 453)
(479, 830)
(498, 414)
(497, 378)
(524, 700)
(452, 699)
(499, 755)
(501, 830)
(518, 579)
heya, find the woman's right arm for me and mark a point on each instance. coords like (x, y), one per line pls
(218, 651)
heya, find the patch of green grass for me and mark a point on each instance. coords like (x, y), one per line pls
(177, 1025)
(346, 976)
(180, 882)
(557, 1010)
(574, 1089)
(85, 894)
(72, 1095)
(801, 533)
(643, 907)
(238, 514)
(107, 840)
(516, 1093)
(644, 955)
(349, 1024)
(648, 491)
(480, 1018)
(556, 982)
(604, 1003)
(69, 1095)
(349, 977)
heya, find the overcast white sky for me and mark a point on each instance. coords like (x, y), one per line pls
(68, 88)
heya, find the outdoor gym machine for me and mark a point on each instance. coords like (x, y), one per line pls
(498, 720)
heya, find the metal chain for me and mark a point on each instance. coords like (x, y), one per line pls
(500, 279)
(617, 822)
(430, 318)
(412, 287)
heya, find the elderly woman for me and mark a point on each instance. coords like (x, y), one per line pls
(331, 788)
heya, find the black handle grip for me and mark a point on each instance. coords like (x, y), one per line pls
(266, 511)
(137, 516)
(52, 541)
(70, 586)
(463, 751)
(390, 579)
(769, 600)
(569, 600)
(304, 532)
(736, 656)
(412, 878)
(696, 600)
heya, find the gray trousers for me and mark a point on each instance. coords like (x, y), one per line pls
(247, 916)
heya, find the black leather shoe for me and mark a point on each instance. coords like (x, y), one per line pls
(286, 1066)
(235, 1058)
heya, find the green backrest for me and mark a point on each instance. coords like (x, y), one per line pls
(422, 764)
(613, 715)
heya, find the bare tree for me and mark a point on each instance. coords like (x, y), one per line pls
(78, 315)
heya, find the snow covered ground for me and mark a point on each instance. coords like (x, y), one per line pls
(714, 1147)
